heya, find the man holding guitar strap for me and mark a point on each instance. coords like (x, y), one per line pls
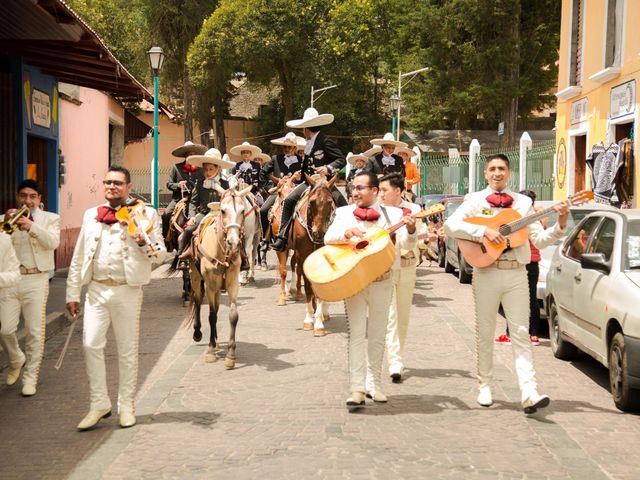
(368, 310)
(403, 279)
(115, 265)
(505, 280)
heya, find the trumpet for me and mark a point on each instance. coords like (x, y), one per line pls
(9, 226)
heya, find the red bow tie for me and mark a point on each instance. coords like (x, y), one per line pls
(188, 168)
(366, 214)
(500, 200)
(106, 215)
(406, 211)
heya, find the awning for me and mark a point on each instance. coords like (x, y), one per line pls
(50, 35)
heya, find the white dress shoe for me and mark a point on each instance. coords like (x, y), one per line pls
(484, 396)
(377, 396)
(534, 402)
(356, 400)
(14, 374)
(92, 418)
(127, 419)
(28, 390)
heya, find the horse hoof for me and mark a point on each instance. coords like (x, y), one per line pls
(197, 336)
(210, 358)
(299, 297)
(264, 268)
(281, 302)
(319, 332)
(229, 363)
(307, 327)
(251, 280)
(217, 349)
(185, 303)
(326, 318)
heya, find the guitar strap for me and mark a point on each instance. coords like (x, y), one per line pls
(386, 216)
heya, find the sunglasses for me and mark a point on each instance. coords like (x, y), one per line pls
(117, 183)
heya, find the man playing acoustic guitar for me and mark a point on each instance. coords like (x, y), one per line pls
(505, 280)
(368, 310)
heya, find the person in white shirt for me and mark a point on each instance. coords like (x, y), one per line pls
(403, 279)
(115, 266)
(368, 311)
(504, 281)
(9, 264)
(34, 242)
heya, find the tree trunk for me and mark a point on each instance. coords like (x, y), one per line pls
(188, 103)
(510, 112)
(286, 82)
(220, 137)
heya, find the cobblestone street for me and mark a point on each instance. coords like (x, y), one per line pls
(280, 413)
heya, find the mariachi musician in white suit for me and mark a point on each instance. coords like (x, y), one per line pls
(9, 264)
(34, 241)
(115, 266)
(505, 281)
(368, 310)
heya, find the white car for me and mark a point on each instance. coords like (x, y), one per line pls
(593, 294)
(576, 214)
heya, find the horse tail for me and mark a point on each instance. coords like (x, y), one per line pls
(172, 271)
(190, 317)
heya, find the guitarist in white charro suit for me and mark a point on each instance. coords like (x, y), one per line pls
(504, 281)
(368, 310)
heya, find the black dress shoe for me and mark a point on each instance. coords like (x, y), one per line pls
(396, 378)
(279, 245)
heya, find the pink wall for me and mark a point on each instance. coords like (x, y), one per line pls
(84, 141)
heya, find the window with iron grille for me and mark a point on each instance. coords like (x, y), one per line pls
(577, 32)
(613, 35)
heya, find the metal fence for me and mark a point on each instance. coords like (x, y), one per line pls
(441, 174)
(141, 180)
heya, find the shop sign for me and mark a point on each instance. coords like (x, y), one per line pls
(623, 99)
(579, 111)
(41, 105)
(561, 163)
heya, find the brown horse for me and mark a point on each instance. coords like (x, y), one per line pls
(312, 219)
(217, 259)
(284, 186)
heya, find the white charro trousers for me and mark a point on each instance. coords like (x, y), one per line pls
(367, 314)
(30, 298)
(492, 286)
(118, 306)
(404, 282)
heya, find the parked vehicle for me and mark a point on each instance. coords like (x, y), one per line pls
(439, 245)
(593, 293)
(453, 259)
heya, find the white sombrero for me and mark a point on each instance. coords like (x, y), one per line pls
(373, 151)
(265, 157)
(234, 153)
(289, 140)
(189, 148)
(311, 118)
(210, 156)
(407, 151)
(352, 158)
(388, 140)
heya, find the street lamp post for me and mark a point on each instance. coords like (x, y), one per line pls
(156, 59)
(394, 103)
(400, 77)
(323, 90)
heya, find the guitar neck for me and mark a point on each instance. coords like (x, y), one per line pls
(529, 219)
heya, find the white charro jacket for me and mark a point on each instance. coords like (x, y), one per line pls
(9, 264)
(475, 205)
(137, 264)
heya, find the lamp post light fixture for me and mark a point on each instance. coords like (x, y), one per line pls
(156, 59)
(394, 103)
(400, 77)
(323, 90)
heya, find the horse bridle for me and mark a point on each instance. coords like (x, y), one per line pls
(309, 227)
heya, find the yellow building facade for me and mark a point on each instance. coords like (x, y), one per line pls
(597, 106)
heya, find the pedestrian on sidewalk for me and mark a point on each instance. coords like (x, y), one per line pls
(368, 311)
(115, 266)
(35, 240)
(504, 281)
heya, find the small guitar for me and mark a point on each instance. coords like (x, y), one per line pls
(512, 226)
(132, 216)
(339, 271)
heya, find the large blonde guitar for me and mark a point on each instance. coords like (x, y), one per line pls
(512, 226)
(339, 271)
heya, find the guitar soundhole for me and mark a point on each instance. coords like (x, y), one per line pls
(362, 244)
(504, 230)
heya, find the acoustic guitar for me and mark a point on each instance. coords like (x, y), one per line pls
(339, 271)
(512, 226)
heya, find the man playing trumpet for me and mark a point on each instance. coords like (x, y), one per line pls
(36, 236)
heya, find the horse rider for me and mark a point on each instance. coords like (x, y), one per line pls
(368, 311)
(505, 281)
(387, 161)
(412, 176)
(244, 155)
(263, 187)
(182, 178)
(115, 265)
(203, 193)
(34, 242)
(403, 279)
(321, 156)
(280, 165)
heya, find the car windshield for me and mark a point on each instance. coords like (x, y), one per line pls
(430, 201)
(633, 245)
(452, 207)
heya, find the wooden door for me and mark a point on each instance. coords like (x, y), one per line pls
(37, 163)
(580, 162)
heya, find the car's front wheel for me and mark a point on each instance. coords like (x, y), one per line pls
(625, 397)
(561, 348)
(448, 268)
(463, 276)
(441, 255)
